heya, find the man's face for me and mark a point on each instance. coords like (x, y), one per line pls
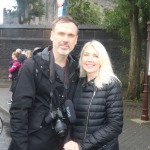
(64, 38)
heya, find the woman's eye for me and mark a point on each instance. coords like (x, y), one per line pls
(85, 54)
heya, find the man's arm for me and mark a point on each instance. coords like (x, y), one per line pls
(22, 102)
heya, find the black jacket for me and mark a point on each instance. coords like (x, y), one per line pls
(99, 116)
(31, 104)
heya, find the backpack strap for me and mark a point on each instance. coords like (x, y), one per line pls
(37, 70)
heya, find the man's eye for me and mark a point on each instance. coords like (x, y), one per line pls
(61, 34)
(96, 56)
(71, 35)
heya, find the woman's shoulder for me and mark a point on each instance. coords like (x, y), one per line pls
(115, 86)
(15, 62)
(114, 83)
(115, 80)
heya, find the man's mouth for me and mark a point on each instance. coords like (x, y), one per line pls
(64, 46)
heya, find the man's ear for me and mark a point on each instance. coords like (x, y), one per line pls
(76, 40)
(51, 35)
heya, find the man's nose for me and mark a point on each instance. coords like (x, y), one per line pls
(65, 38)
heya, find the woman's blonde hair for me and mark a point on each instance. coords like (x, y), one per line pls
(28, 54)
(16, 54)
(19, 51)
(105, 74)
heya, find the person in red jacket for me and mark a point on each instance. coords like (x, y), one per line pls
(13, 70)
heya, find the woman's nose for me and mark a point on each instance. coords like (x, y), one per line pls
(90, 58)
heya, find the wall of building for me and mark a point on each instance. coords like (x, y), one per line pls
(29, 37)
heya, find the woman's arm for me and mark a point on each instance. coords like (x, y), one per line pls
(16, 65)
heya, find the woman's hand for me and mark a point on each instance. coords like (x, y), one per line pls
(71, 145)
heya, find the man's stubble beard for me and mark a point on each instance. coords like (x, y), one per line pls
(64, 52)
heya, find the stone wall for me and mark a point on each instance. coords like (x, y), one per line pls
(29, 37)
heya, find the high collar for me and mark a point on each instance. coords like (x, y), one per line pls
(87, 83)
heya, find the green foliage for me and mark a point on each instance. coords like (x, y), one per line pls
(131, 15)
(10, 12)
(125, 49)
(28, 10)
(84, 12)
(37, 9)
(118, 18)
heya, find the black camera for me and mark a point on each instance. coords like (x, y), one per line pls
(57, 120)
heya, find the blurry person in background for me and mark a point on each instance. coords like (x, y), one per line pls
(19, 51)
(37, 50)
(98, 102)
(28, 54)
(22, 57)
(13, 71)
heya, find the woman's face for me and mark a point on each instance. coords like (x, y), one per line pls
(90, 61)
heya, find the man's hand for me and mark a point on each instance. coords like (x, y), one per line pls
(71, 146)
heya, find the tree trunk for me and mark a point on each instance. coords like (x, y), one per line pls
(133, 91)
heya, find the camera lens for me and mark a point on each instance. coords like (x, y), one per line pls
(60, 128)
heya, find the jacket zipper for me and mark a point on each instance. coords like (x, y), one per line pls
(87, 118)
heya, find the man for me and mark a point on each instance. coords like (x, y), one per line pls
(45, 82)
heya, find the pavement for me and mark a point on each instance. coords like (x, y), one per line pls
(135, 134)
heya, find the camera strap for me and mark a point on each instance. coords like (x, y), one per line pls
(52, 79)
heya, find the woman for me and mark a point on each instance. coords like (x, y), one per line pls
(28, 54)
(98, 102)
(14, 69)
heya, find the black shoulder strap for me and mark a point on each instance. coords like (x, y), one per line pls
(1, 125)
